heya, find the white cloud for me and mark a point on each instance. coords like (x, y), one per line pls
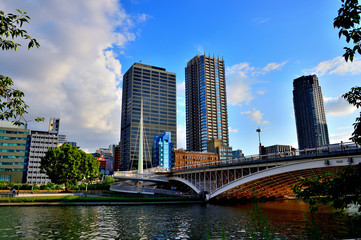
(338, 137)
(239, 84)
(181, 102)
(239, 92)
(338, 107)
(260, 20)
(261, 92)
(143, 17)
(255, 115)
(272, 67)
(240, 78)
(74, 75)
(337, 66)
(181, 136)
(200, 49)
(230, 129)
(181, 89)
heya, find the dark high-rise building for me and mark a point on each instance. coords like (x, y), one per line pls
(116, 158)
(157, 88)
(309, 112)
(206, 102)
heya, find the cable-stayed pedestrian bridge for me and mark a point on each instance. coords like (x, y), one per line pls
(268, 176)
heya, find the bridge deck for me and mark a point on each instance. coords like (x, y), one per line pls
(255, 161)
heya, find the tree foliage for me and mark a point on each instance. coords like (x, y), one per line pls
(68, 165)
(339, 189)
(12, 105)
(348, 21)
(354, 98)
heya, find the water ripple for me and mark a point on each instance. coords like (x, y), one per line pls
(189, 221)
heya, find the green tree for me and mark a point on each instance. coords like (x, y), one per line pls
(338, 189)
(68, 165)
(341, 190)
(12, 105)
(348, 21)
(354, 98)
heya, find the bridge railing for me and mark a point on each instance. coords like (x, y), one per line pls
(135, 175)
(321, 150)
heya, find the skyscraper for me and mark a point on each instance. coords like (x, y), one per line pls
(206, 102)
(157, 88)
(309, 112)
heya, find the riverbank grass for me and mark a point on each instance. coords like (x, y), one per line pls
(70, 199)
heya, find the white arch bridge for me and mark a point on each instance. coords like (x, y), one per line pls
(265, 177)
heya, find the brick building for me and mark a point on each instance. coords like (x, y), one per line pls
(184, 159)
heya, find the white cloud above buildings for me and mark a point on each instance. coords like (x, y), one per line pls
(260, 20)
(338, 137)
(181, 136)
(272, 67)
(337, 66)
(232, 130)
(74, 75)
(240, 78)
(338, 107)
(255, 115)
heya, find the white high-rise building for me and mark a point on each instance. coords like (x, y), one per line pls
(40, 142)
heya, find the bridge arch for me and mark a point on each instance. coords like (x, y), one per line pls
(184, 181)
(274, 181)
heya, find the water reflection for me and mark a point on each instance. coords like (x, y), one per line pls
(190, 221)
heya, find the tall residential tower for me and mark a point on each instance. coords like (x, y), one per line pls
(309, 112)
(206, 102)
(157, 88)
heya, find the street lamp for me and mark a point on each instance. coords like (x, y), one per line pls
(259, 140)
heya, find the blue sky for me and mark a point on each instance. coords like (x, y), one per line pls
(86, 46)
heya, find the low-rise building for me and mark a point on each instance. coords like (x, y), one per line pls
(278, 150)
(162, 151)
(14, 150)
(184, 159)
(217, 146)
(237, 154)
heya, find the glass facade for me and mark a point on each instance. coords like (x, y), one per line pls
(157, 88)
(163, 151)
(309, 113)
(14, 150)
(206, 102)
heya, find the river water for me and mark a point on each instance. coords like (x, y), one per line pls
(164, 221)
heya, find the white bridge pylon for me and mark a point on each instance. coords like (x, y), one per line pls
(270, 179)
